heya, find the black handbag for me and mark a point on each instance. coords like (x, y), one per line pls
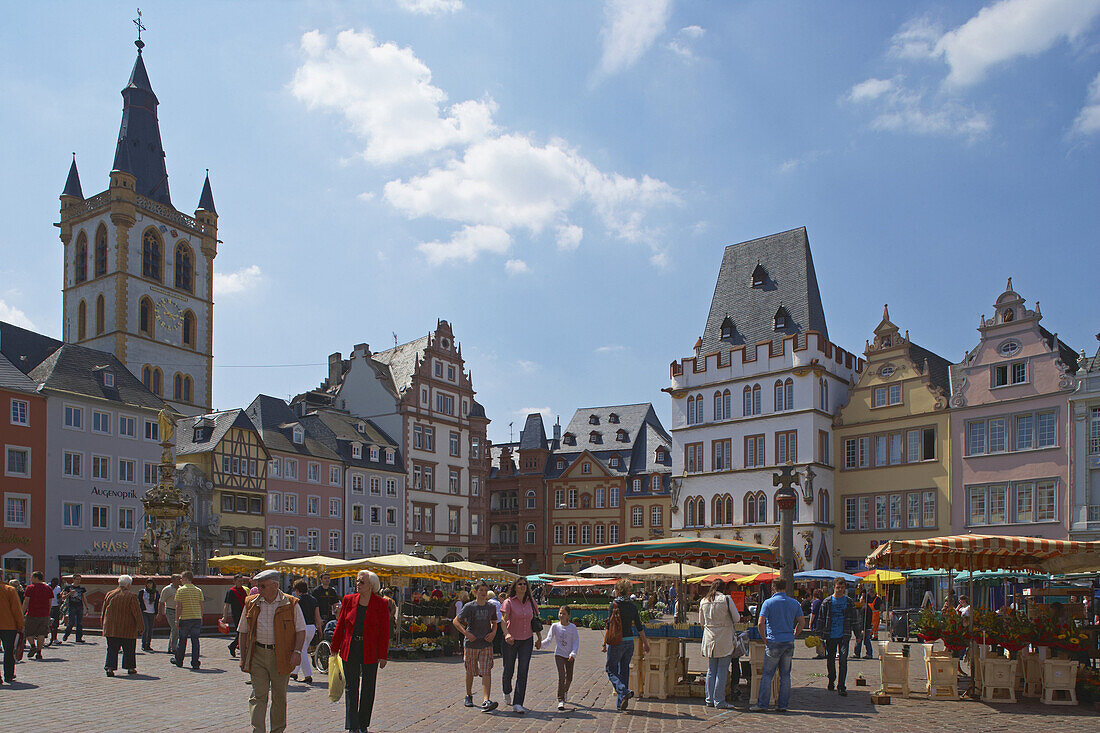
(536, 622)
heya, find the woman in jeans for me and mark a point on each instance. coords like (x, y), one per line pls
(312, 614)
(362, 639)
(518, 609)
(717, 615)
(619, 655)
(150, 601)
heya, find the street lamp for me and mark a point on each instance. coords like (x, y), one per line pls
(418, 550)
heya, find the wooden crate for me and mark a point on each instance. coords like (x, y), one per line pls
(1033, 674)
(894, 672)
(943, 678)
(1059, 682)
(998, 680)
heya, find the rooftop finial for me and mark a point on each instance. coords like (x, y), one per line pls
(886, 312)
(137, 22)
(1009, 286)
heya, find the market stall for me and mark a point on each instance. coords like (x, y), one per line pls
(309, 567)
(973, 553)
(230, 564)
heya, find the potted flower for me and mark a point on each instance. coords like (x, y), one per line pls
(929, 625)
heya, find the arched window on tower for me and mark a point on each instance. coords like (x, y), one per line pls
(188, 390)
(747, 410)
(151, 260)
(145, 317)
(719, 511)
(728, 502)
(185, 273)
(761, 507)
(80, 259)
(158, 381)
(780, 402)
(189, 329)
(177, 387)
(726, 405)
(147, 377)
(750, 509)
(82, 321)
(756, 399)
(700, 512)
(99, 315)
(689, 513)
(101, 251)
(717, 405)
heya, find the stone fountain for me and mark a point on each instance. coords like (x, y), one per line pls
(164, 549)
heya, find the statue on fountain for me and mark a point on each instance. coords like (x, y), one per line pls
(167, 511)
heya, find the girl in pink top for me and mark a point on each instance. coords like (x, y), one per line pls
(518, 610)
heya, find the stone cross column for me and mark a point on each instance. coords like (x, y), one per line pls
(786, 499)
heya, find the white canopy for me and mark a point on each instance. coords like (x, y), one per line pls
(622, 569)
(594, 570)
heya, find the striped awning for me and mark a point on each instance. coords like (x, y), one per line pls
(679, 549)
(987, 552)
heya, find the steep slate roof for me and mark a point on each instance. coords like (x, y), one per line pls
(342, 431)
(13, 379)
(644, 434)
(72, 182)
(790, 283)
(77, 369)
(275, 420)
(401, 361)
(223, 421)
(206, 198)
(25, 349)
(533, 434)
(938, 367)
(1067, 355)
(139, 150)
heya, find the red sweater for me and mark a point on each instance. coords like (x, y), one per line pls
(376, 628)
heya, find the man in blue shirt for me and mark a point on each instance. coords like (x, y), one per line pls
(780, 621)
(838, 616)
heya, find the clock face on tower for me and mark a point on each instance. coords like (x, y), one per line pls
(169, 314)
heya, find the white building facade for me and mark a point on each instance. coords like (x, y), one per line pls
(760, 391)
(1085, 417)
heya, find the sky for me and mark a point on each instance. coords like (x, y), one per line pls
(558, 180)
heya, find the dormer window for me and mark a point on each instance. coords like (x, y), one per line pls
(196, 435)
(595, 437)
(613, 419)
(759, 276)
(569, 439)
(662, 455)
(389, 457)
(614, 461)
(782, 318)
(356, 450)
(299, 435)
(593, 419)
(361, 427)
(727, 328)
(108, 379)
(561, 465)
(621, 436)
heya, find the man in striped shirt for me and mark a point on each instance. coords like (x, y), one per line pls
(189, 600)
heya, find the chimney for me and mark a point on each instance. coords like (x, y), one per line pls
(557, 428)
(360, 350)
(335, 368)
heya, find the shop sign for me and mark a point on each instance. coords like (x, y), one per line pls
(11, 538)
(110, 546)
(117, 493)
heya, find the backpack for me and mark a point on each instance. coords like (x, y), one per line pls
(614, 633)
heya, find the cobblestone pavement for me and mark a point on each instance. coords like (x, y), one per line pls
(69, 691)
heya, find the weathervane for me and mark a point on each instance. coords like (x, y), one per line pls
(137, 22)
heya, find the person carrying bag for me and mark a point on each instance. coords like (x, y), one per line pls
(717, 616)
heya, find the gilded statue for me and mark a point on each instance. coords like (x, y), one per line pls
(167, 425)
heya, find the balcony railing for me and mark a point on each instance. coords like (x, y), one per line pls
(1094, 513)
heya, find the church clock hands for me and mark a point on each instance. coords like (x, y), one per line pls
(169, 314)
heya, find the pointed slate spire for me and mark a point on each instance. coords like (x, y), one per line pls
(139, 150)
(206, 199)
(72, 183)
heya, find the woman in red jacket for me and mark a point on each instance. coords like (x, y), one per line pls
(362, 639)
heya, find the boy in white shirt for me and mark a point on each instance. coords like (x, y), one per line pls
(569, 641)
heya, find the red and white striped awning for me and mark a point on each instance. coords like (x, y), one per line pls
(987, 552)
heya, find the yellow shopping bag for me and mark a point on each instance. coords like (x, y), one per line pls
(335, 677)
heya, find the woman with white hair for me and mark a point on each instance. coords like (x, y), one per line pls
(122, 625)
(362, 639)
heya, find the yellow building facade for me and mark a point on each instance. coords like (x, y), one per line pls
(892, 449)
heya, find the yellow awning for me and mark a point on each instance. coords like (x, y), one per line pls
(236, 563)
(310, 566)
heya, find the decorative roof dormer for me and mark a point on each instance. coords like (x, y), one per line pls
(1009, 308)
(613, 419)
(569, 439)
(728, 329)
(621, 436)
(595, 437)
(298, 434)
(759, 276)
(782, 319)
(887, 335)
(593, 419)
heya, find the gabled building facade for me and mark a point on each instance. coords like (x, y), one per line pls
(421, 394)
(222, 464)
(23, 476)
(138, 275)
(892, 449)
(609, 481)
(760, 391)
(1085, 414)
(1010, 424)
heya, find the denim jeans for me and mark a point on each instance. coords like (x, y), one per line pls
(76, 619)
(189, 629)
(521, 651)
(837, 648)
(779, 655)
(862, 640)
(618, 667)
(717, 671)
(147, 637)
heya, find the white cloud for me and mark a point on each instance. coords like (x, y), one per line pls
(430, 7)
(630, 29)
(610, 349)
(917, 39)
(794, 163)
(1088, 120)
(235, 283)
(527, 366)
(870, 89)
(516, 267)
(902, 109)
(386, 96)
(467, 244)
(681, 44)
(16, 317)
(491, 181)
(569, 237)
(1008, 29)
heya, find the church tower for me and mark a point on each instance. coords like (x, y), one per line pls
(138, 273)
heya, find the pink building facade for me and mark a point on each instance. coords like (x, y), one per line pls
(1010, 424)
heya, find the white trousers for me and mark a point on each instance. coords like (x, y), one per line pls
(305, 669)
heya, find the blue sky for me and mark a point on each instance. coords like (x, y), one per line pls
(559, 179)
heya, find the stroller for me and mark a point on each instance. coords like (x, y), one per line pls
(321, 651)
